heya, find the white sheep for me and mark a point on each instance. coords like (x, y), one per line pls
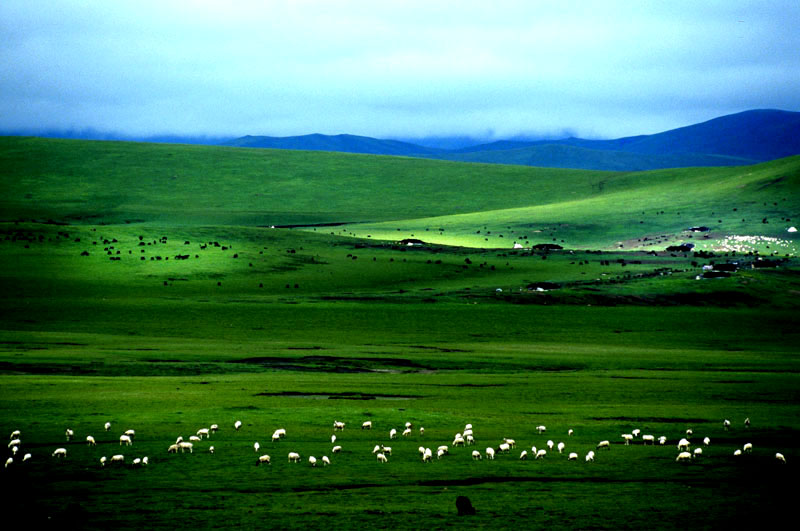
(648, 439)
(60, 452)
(173, 448)
(590, 456)
(466, 433)
(211, 449)
(281, 432)
(256, 446)
(570, 432)
(14, 450)
(550, 444)
(406, 432)
(214, 428)
(604, 444)
(103, 461)
(366, 425)
(9, 461)
(561, 447)
(294, 457)
(376, 448)
(440, 453)
(137, 462)
(382, 458)
(118, 458)
(541, 429)
(408, 425)
(747, 422)
(333, 439)
(26, 457)
(459, 441)
(90, 441)
(748, 448)
(204, 432)
(237, 425)
(107, 426)
(125, 439)
(511, 442)
(636, 432)
(683, 444)
(427, 455)
(541, 453)
(476, 455)
(421, 430)
(179, 439)
(490, 453)
(726, 424)
(523, 455)
(69, 433)
(15, 442)
(628, 437)
(683, 456)
(573, 456)
(276, 436)
(312, 460)
(386, 450)
(467, 427)
(737, 452)
(186, 446)
(504, 447)
(662, 440)
(338, 425)
(145, 460)
(195, 438)
(697, 452)
(706, 441)
(130, 433)
(325, 460)
(336, 449)
(15, 434)
(779, 457)
(392, 433)
(470, 440)
(421, 450)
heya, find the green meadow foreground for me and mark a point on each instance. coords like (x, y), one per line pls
(143, 285)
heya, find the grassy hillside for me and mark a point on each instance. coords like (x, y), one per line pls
(141, 285)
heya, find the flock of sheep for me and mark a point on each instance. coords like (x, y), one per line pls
(382, 452)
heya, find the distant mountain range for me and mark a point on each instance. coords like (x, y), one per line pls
(744, 138)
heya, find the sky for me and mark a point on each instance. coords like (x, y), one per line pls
(411, 69)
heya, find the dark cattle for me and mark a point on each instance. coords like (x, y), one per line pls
(546, 247)
(543, 286)
(699, 229)
(181, 256)
(464, 506)
(85, 253)
(725, 267)
(716, 274)
(683, 248)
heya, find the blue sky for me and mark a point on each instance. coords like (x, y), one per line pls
(392, 69)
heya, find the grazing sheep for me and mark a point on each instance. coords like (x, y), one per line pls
(107, 426)
(726, 424)
(256, 446)
(125, 439)
(14, 450)
(590, 457)
(237, 425)
(467, 432)
(648, 439)
(9, 461)
(748, 448)
(333, 439)
(459, 441)
(195, 438)
(90, 441)
(211, 449)
(173, 448)
(60, 452)
(130, 433)
(392, 433)
(103, 461)
(26, 457)
(118, 458)
(421, 430)
(338, 425)
(628, 437)
(511, 442)
(376, 448)
(737, 453)
(440, 452)
(476, 455)
(15, 434)
(204, 431)
(427, 455)
(662, 440)
(604, 444)
(382, 458)
(312, 460)
(179, 439)
(214, 428)
(186, 446)
(276, 436)
(779, 457)
(561, 447)
(697, 452)
(550, 444)
(336, 449)
(541, 453)
(523, 455)
(15, 442)
(406, 432)
(505, 448)
(69, 433)
(689, 432)
(408, 425)
(366, 425)
(467, 427)
(747, 422)
(294, 457)
(683, 456)
(145, 460)
(573, 456)
(540, 429)
(636, 432)
(470, 440)
(570, 432)
(386, 450)
(325, 460)
(281, 432)
(683, 444)
(136, 462)
(706, 441)
(490, 453)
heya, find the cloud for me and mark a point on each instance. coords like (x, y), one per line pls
(392, 68)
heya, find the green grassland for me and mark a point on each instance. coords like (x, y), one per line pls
(141, 284)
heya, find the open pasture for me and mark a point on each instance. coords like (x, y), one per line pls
(136, 293)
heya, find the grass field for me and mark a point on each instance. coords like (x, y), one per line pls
(141, 285)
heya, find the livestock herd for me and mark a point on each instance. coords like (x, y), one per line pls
(382, 452)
